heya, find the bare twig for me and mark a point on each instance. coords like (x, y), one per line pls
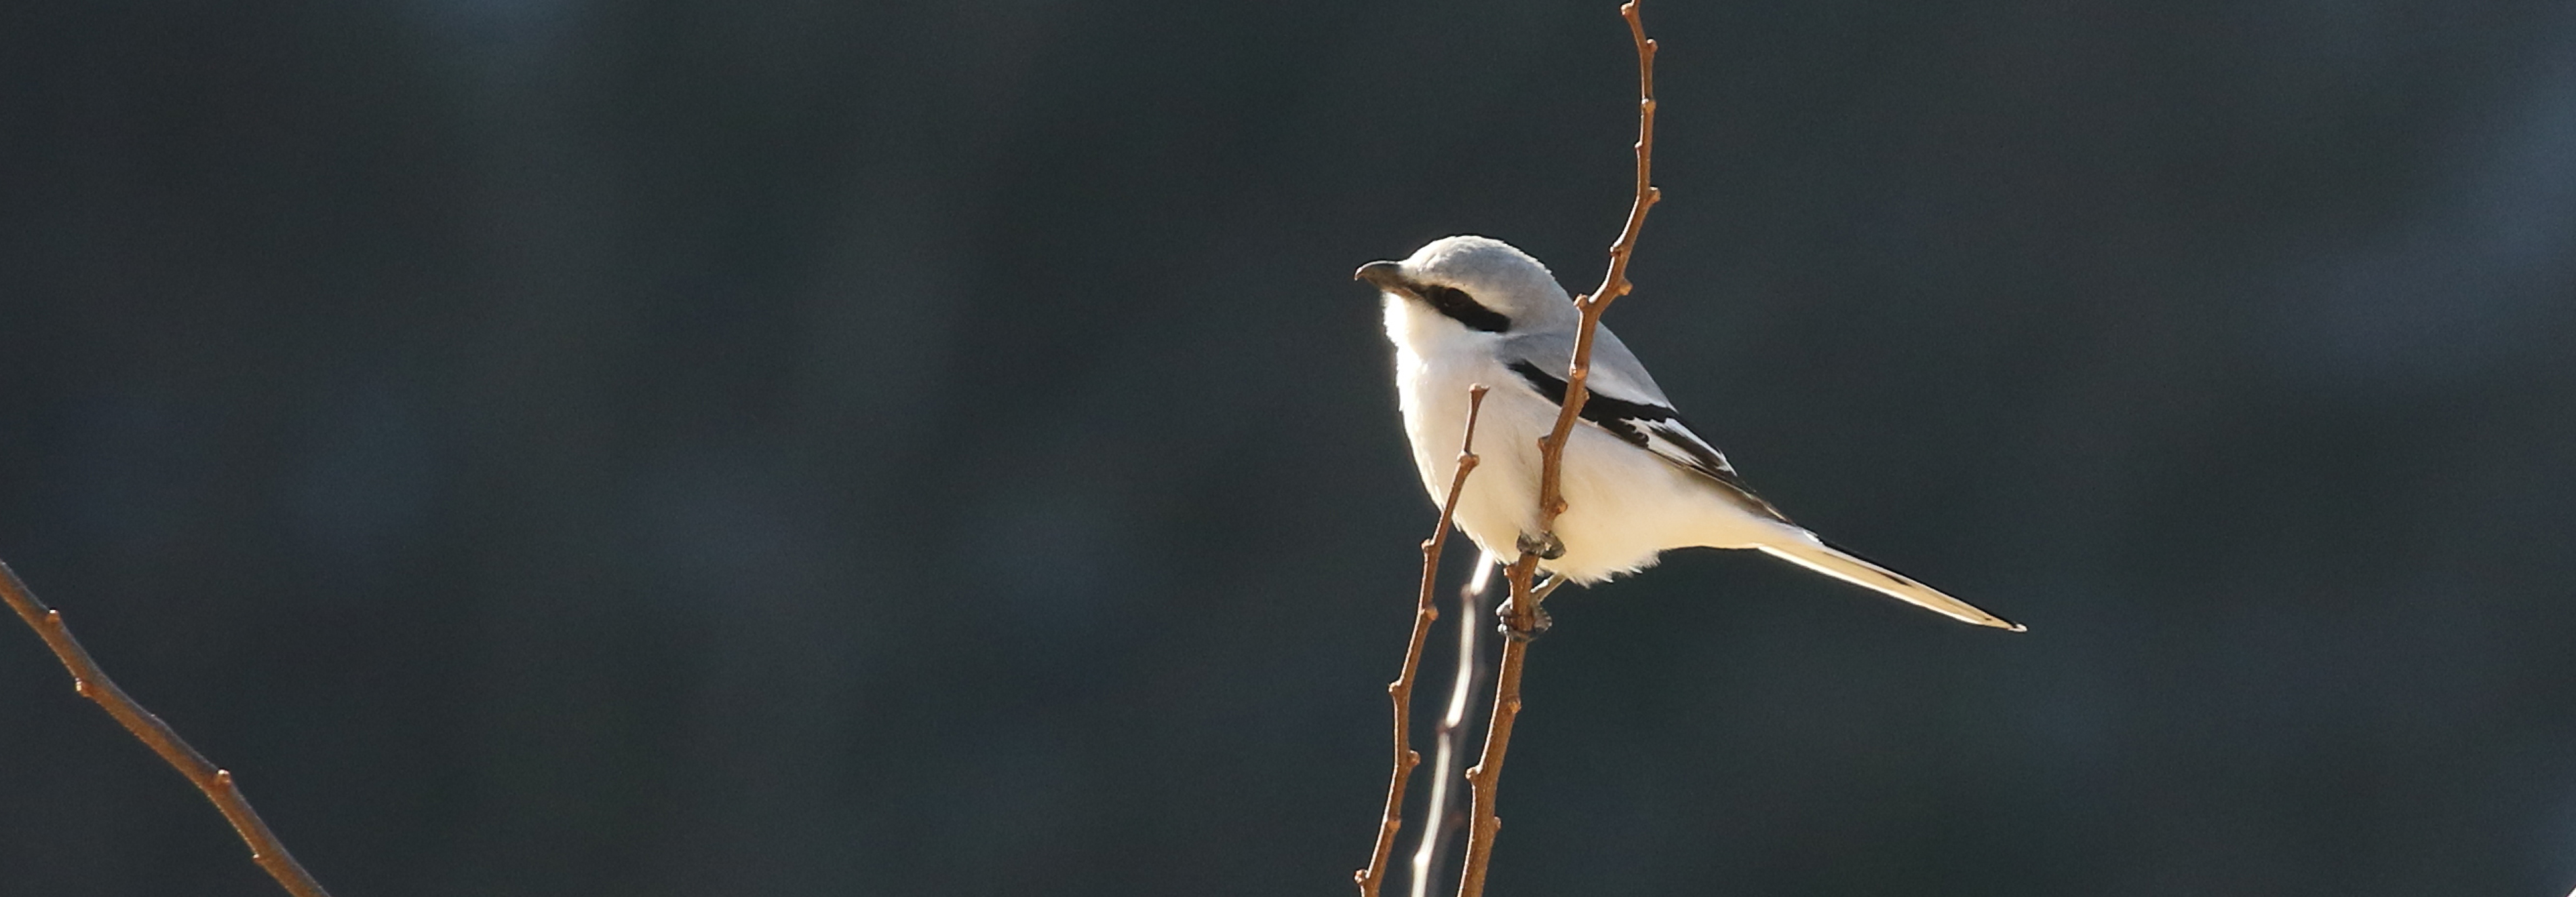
(1440, 824)
(1400, 692)
(93, 683)
(1614, 282)
(1486, 776)
(1522, 614)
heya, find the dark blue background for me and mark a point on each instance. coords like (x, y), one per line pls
(781, 447)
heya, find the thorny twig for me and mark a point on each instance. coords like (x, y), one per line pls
(1438, 823)
(1400, 692)
(1522, 616)
(93, 683)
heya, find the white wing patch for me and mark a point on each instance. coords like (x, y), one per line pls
(1673, 440)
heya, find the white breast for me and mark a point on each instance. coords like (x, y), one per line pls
(1624, 505)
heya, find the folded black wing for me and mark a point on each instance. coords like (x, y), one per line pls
(1654, 428)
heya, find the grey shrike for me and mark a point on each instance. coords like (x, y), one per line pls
(1637, 481)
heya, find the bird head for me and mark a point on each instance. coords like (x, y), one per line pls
(1479, 282)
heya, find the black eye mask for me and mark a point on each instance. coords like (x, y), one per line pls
(1464, 308)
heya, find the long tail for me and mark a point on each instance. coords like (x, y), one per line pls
(1806, 550)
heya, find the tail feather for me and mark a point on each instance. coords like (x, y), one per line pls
(1806, 550)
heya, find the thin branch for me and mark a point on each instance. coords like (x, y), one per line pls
(1400, 692)
(1486, 776)
(1442, 824)
(1614, 282)
(1521, 618)
(93, 683)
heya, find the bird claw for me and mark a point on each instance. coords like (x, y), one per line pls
(1545, 545)
(1539, 623)
(1539, 620)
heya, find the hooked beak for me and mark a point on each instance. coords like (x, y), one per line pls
(1386, 275)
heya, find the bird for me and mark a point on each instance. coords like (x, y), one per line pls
(1637, 481)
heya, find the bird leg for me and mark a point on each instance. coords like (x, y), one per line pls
(1547, 588)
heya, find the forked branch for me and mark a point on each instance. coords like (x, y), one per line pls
(1522, 615)
(93, 683)
(1401, 690)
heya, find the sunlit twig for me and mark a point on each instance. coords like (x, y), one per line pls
(1521, 617)
(218, 785)
(1439, 824)
(1400, 692)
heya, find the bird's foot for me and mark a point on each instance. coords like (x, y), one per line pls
(1508, 618)
(1545, 545)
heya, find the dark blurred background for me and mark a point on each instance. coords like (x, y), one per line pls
(782, 447)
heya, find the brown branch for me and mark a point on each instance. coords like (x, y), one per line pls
(1614, 283)
(1522, 615)
(1440, 825)
(1401, 690)
(1486, 776)
(93, 683)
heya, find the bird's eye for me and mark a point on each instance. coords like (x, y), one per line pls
(1463, 308)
